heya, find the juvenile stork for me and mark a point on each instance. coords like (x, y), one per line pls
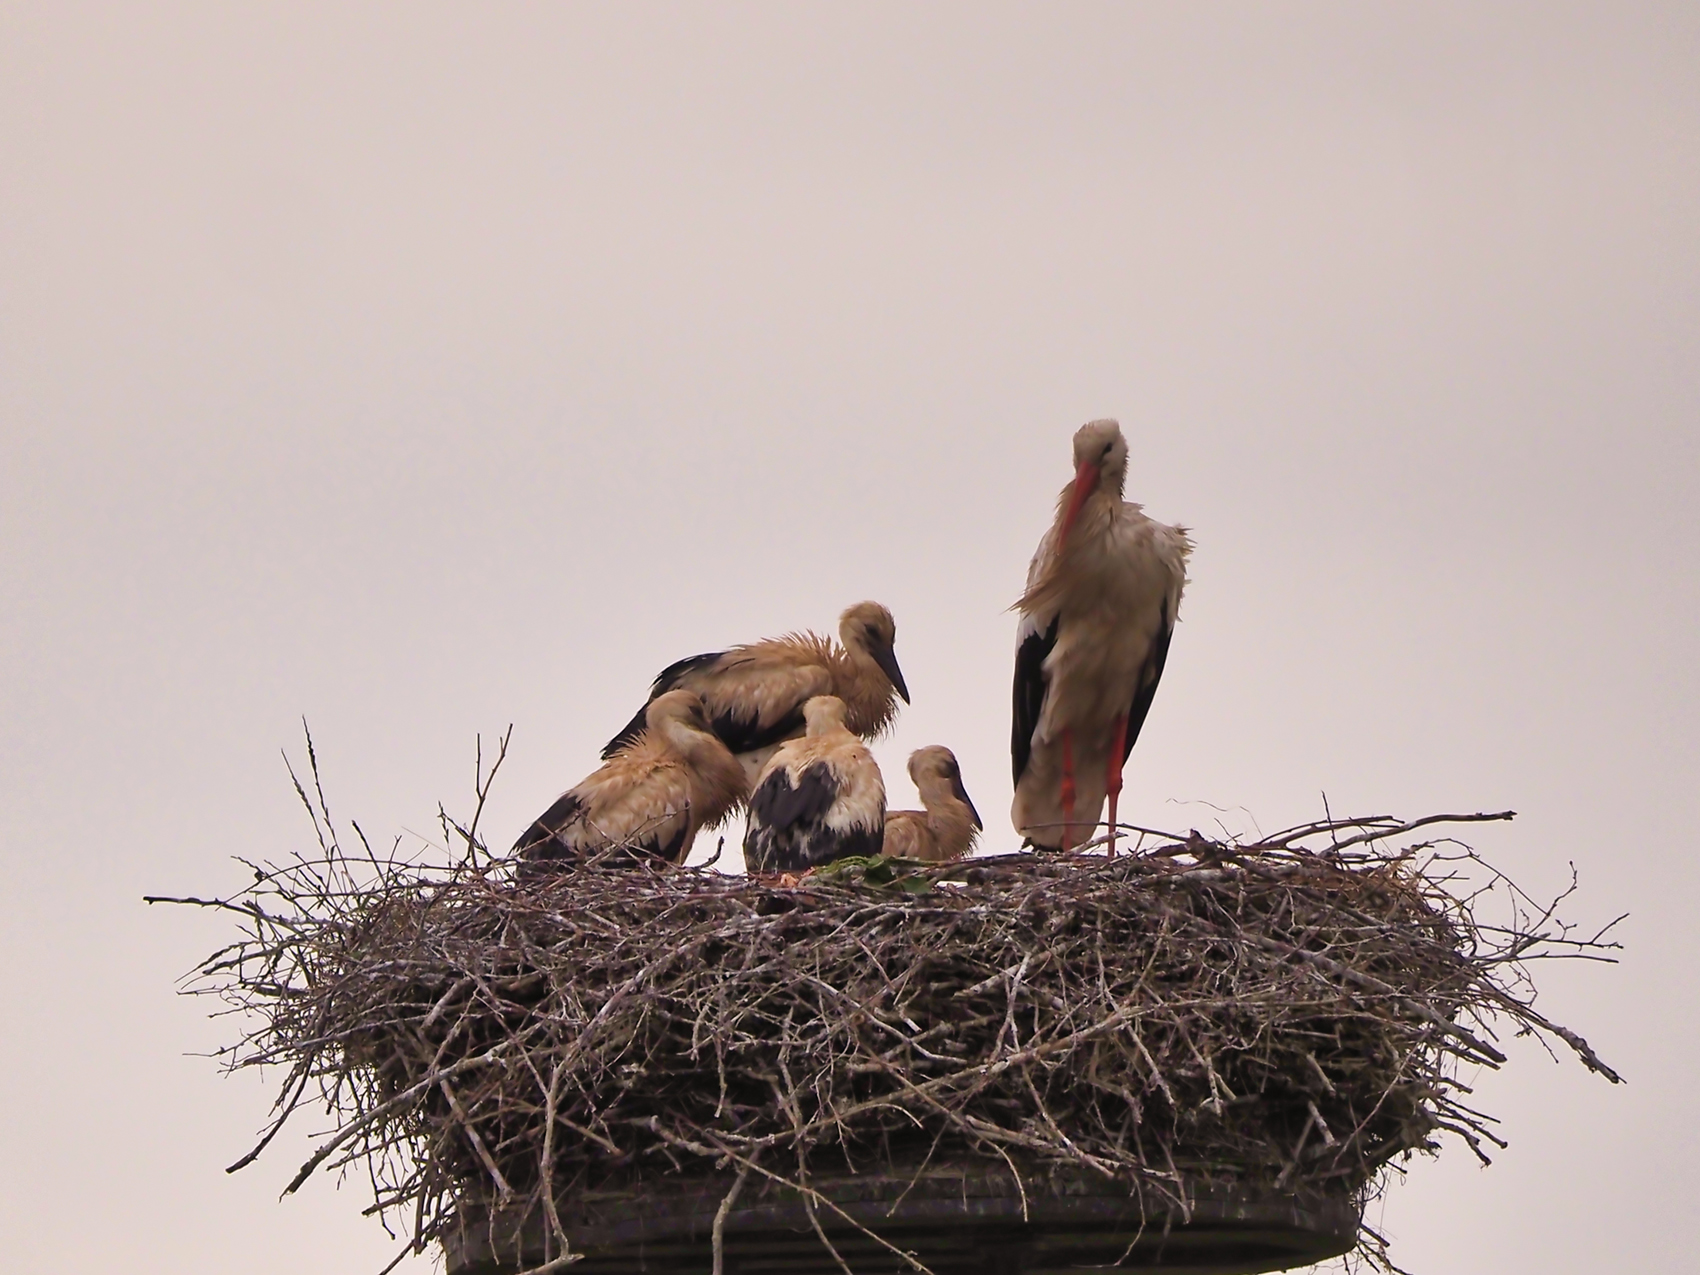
(819, 797)
(754, 694)
(1102, 595)
(650, 798)
(946, 829)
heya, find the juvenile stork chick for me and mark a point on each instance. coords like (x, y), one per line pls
(650, 798)
(754, 694)
(947, 828)
(1102, 595)
(819, 798)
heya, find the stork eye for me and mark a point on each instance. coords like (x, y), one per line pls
(1107, 447)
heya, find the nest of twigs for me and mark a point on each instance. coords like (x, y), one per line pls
(1287, 1014)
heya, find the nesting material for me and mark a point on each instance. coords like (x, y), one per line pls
(1289, 1014)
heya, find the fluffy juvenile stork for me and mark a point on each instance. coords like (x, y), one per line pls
(946, 829)
(819, 797)
(1102, 595)
(755, 694)
(650, 798)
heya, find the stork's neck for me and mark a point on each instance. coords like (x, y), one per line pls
(823, 721)
(866, 691)
(948, 817)
(685, 741)
(862, 661)
(678, 738)
(1092, 492)
(1097, 513)
(1113, 481)
(851, 644)
(710, 766)
(942, 804)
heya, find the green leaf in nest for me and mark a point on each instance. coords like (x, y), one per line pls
(877, 870)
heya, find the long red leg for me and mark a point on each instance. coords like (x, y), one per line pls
(1068, 788)
(1114, 784)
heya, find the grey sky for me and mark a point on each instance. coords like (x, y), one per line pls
(426, 368)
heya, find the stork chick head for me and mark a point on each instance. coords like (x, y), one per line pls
(823, 713)
(934, 768)
(1100, 464)
(868, 627)
(676, 708)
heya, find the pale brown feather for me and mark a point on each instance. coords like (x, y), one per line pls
(945, 830)
(669, 783)
(756, 689)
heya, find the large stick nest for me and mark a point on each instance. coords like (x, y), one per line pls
(1289, 1013)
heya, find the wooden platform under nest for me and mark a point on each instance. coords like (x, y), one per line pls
(953, 1222)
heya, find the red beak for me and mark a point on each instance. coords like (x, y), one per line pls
(1085, 480)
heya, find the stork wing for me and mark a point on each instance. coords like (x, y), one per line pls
(567, 806)
(1032, 645)
(631, 803)
(644, 803)
(755, 697)
(1150, 673)
(670, 678)
(776, 803)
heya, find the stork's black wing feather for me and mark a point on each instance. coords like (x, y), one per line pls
(630, 731)
(1029, 693)
(747, 734)
(548, 823)
(776, 804)
(788, 830)
(545, 850)
(1150, 673)
(668, 679)
(675, 849)
(828, 845)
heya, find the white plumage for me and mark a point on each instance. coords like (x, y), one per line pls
(1103, 593)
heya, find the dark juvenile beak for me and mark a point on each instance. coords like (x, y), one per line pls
(962, 796)
(886, 658)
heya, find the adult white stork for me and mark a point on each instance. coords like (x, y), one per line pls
(755, 693)
(1102, 595)
(650, 798)
(819, 797)
(946, 828)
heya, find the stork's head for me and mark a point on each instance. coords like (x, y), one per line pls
(934, 767)
(868, 627)
(823, 713)
(676, 708)
(1100, 464)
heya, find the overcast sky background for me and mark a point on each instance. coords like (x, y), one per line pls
(422, 368)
